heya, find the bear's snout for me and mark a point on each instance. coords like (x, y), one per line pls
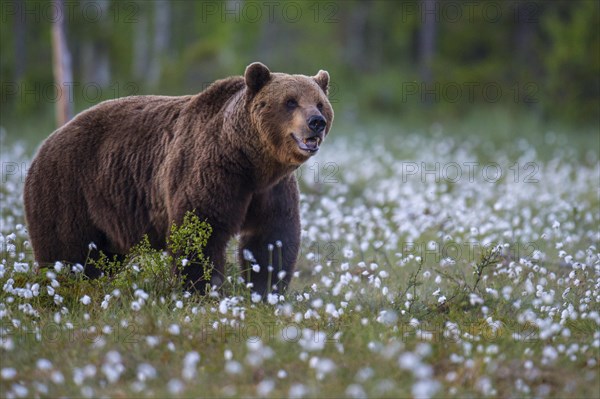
(316, 123)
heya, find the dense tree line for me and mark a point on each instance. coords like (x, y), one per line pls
(384, 56)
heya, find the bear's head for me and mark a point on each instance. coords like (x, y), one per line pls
(291, 113)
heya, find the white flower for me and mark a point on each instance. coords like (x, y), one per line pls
(175, 386)
(21, 267)
(550, 354)
(233, 367)
(86, 300)
(425, 389)
(248, 255)
(189, 365)
(57, 377)
(388, 317)
(8, 373)
(265, 387)
(112, 366)
(355, 391)
(272, 299)
(174, 329)
(44, 364)
(223, 306)
(20, 390)
(104, 304)
(146, 371)
(408, 361)
(58, 267)
(330, 309)
(297, 391)
(312, 340)
(255, 297)
(322, 366)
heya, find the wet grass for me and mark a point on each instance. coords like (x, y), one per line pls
(407, 286)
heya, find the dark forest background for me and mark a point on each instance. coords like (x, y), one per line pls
(394, 59)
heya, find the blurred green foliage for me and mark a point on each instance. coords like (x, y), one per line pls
(532, 56)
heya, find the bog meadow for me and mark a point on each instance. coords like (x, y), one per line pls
(450, 240)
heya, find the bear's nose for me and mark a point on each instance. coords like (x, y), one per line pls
(317, 123)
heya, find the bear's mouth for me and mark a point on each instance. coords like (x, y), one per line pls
(308, 144)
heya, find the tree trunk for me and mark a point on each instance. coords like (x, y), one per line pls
(95, 51)
(162, 34)
(19, 30)
(427, 41)
(141, 49)
(356, 50)
(63, 76)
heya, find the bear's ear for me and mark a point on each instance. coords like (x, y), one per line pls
(322, 79)
(256, 76)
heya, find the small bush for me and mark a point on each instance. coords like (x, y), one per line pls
(157, 271)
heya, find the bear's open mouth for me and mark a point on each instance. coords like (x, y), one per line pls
(309, 144)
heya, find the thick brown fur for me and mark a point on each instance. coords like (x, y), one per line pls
(133, 166)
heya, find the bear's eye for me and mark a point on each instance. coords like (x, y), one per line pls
(320, 106)
(291, 103)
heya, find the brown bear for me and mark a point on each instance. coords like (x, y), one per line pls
(131, 167)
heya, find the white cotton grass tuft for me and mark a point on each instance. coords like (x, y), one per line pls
(265, 387)
(8, 373)
(298, 391)
(356, 259)
(190, 362)
(248, 256)
(175, 386)
(112, 367)
(146, 371)
(86, 300)
(322, 367)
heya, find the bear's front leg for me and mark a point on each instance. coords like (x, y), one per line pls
(214, 253)
(196, 270)
(271, 234)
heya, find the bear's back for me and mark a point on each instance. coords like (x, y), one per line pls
(210, 101)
